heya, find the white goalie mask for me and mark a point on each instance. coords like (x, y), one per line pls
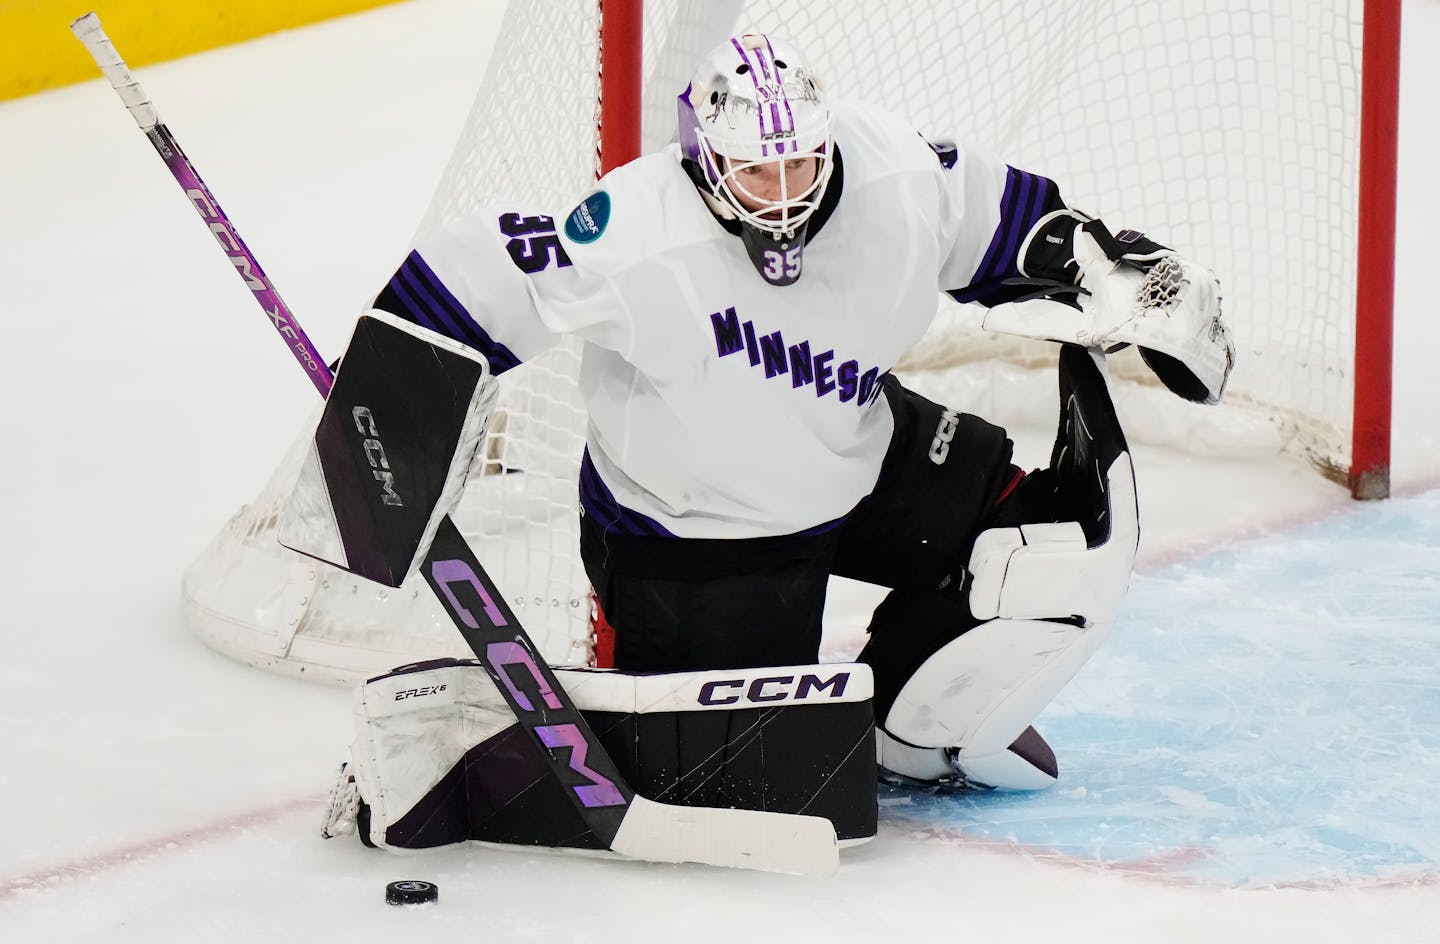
(754, 122)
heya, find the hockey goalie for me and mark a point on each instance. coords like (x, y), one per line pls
(742, 296)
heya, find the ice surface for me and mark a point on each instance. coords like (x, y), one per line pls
(1256, 719)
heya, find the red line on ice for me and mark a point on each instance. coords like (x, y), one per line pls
(51, 876)
(1160, 866)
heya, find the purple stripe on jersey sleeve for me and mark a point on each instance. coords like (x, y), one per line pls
(600, 505)
(1024, 201)
(413, 307)
(1015, 221)
(429, 303)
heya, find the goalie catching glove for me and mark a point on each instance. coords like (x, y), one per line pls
(1129, 289)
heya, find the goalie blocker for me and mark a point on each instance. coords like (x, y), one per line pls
(392, 449)
(438, 759)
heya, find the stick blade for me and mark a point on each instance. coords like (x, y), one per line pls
(738, 839)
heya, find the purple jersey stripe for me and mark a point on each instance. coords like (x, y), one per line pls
(612, 517)
(414, 309)
(429, 298)
(1019, 190)
(1024, 201)
(431, 304)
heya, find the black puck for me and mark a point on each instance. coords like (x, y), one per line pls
(411, 892)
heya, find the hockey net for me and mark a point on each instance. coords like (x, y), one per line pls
(1227, 129)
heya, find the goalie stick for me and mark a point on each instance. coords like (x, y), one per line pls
(627, 824)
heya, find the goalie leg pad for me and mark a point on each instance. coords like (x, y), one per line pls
(438, 759)
(960, 680)
(394, 445)
(967, 710)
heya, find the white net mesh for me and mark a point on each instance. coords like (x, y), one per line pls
(1227, 129)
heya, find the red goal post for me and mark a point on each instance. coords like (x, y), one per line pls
(1369, 474)
(1256, 137)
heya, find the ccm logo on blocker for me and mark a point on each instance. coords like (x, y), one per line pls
(375, 453)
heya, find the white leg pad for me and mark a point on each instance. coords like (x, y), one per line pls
(969, 701)
(985, 687)
(1049, 598)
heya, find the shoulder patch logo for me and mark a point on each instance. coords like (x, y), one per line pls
(588, 220)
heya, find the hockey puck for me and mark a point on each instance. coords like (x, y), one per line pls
(411, 892)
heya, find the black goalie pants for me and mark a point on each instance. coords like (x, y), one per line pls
(688, 604)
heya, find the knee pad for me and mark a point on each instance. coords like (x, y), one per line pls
(1050, 570)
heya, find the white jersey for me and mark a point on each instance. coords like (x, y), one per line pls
(721, 406)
